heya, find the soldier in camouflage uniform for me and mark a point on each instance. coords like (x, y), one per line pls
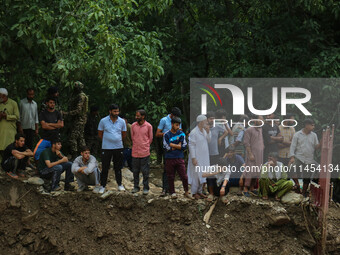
(77, 116)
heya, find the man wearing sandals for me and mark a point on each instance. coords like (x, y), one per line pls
(253, 141)
(302, 149)
(199, 138)
(16, 156)
(218, 180)
(273, 179)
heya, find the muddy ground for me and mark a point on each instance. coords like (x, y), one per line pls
(83, 223)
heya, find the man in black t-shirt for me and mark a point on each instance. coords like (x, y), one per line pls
(271, 136)
(51, 121)
(15, 157)
(53, 163)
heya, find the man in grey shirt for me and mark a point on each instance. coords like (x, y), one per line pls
(85, 169)
(302, 149)
(29, 120)
(218, 133)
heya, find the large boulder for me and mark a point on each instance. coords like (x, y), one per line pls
(35, 181)
(292, 198)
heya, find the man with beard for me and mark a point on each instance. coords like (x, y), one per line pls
(141, 136)
(29, 118)
(52, 92)
(15, 157)
(302, 150)
(218, 133)
(51, 122)
(199, 159)
(77, 116)
(112, 131)
(253, 141)
(9, 115)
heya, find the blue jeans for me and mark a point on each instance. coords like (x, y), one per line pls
(55, 172)
(127, 157)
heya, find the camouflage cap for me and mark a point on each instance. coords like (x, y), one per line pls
(78, 85)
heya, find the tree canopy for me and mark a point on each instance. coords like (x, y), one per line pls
(142, 54)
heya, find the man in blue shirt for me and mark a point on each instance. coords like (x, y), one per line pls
(112, 131)
(163, 127)
(174, 143)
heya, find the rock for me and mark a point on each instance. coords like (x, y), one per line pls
(35, 181)
(29, 239)
(278, 220)
(127, 174)
(157, 182)
(106, 194)
(30, 217)
(208, 226)
(196, 250)
(292, 198)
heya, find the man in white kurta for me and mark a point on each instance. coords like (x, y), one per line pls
(198, 155)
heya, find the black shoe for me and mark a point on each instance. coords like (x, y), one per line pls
(69, 187)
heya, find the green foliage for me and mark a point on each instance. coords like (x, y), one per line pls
(143, 53)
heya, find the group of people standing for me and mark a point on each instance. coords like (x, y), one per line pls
(212, 147)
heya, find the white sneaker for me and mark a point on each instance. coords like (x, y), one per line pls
(96, 189)
(101, 189)
(121, 188)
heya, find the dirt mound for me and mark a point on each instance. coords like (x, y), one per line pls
(82, 223)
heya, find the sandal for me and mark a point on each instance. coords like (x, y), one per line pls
(187, 195)
(210, 198)
(224, 200)
(196, 196)
(202, 195)
(12, 175)
(246, 194)
(254, 192)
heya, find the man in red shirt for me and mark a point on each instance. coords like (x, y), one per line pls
(141, 136)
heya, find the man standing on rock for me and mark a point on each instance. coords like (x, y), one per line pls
(29, 117)
(51, 121)
(15, 157)
(78, 113)
(53, 163)
(9, 115)
(85, 169)
(112, 131)
(302, 149)
(141, 136)
(163, 127)
(199, 138)
(175, 143)
(253, 141)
